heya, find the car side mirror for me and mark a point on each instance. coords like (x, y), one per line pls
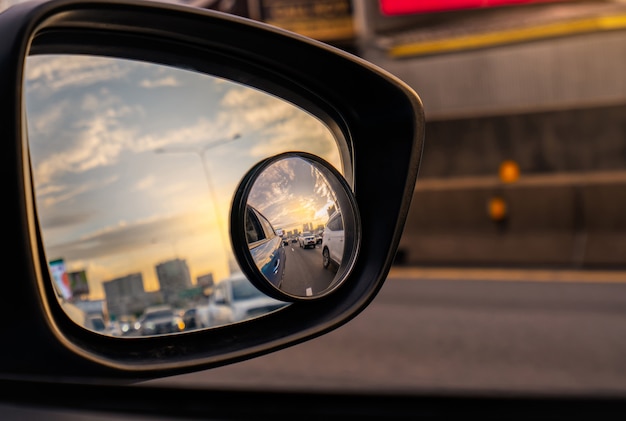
(106, 108)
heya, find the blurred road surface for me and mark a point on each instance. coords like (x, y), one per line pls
(456, 330)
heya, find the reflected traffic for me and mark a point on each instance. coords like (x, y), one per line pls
(301, 223)
(305, 271)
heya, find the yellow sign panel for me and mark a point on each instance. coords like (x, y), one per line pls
(324, 20)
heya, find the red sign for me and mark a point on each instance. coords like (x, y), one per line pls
(405, 7)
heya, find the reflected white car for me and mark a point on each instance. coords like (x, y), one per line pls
(333, 241)
(159, 320)
(235, 299)
(306, 240)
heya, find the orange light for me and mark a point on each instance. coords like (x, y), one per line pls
(509, 171)
(497, 208)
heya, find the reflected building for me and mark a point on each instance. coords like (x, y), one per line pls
(125, 296)
(174, 277)
(331, 209)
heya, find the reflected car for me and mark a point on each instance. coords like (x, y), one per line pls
(191, 319)
(306, 240)
(116, 329)
(90, 321)
(265, 246)
(235, 299)
(96, 322)
(158, 320)
(333, 241)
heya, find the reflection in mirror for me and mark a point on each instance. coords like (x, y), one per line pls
(134, 165)
(301, 225)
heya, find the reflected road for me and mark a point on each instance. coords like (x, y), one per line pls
(304, 273)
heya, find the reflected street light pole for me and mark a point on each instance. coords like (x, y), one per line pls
(201, 153)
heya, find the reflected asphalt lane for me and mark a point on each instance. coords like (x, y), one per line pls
(304, 271)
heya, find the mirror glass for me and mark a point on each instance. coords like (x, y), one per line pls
(301, 225)
(134, 167)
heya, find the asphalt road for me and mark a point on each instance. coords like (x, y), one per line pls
(304, 271)
(503, 331)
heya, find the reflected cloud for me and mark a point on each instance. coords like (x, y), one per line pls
(54, 73)
(51, 195)
(169, 81)
(145, 183)
(290, 192)
(194, 133)
(125, 236)
(298, 133)
(53, 221)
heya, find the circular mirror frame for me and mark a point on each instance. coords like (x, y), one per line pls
(350, 214)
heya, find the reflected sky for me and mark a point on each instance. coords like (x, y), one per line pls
(291, 193)
(107, 202)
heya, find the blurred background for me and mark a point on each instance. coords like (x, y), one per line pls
(524, 160)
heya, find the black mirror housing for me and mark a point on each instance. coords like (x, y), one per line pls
(378, 120)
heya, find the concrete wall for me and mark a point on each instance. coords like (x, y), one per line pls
(552, 225)
(567, 209)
